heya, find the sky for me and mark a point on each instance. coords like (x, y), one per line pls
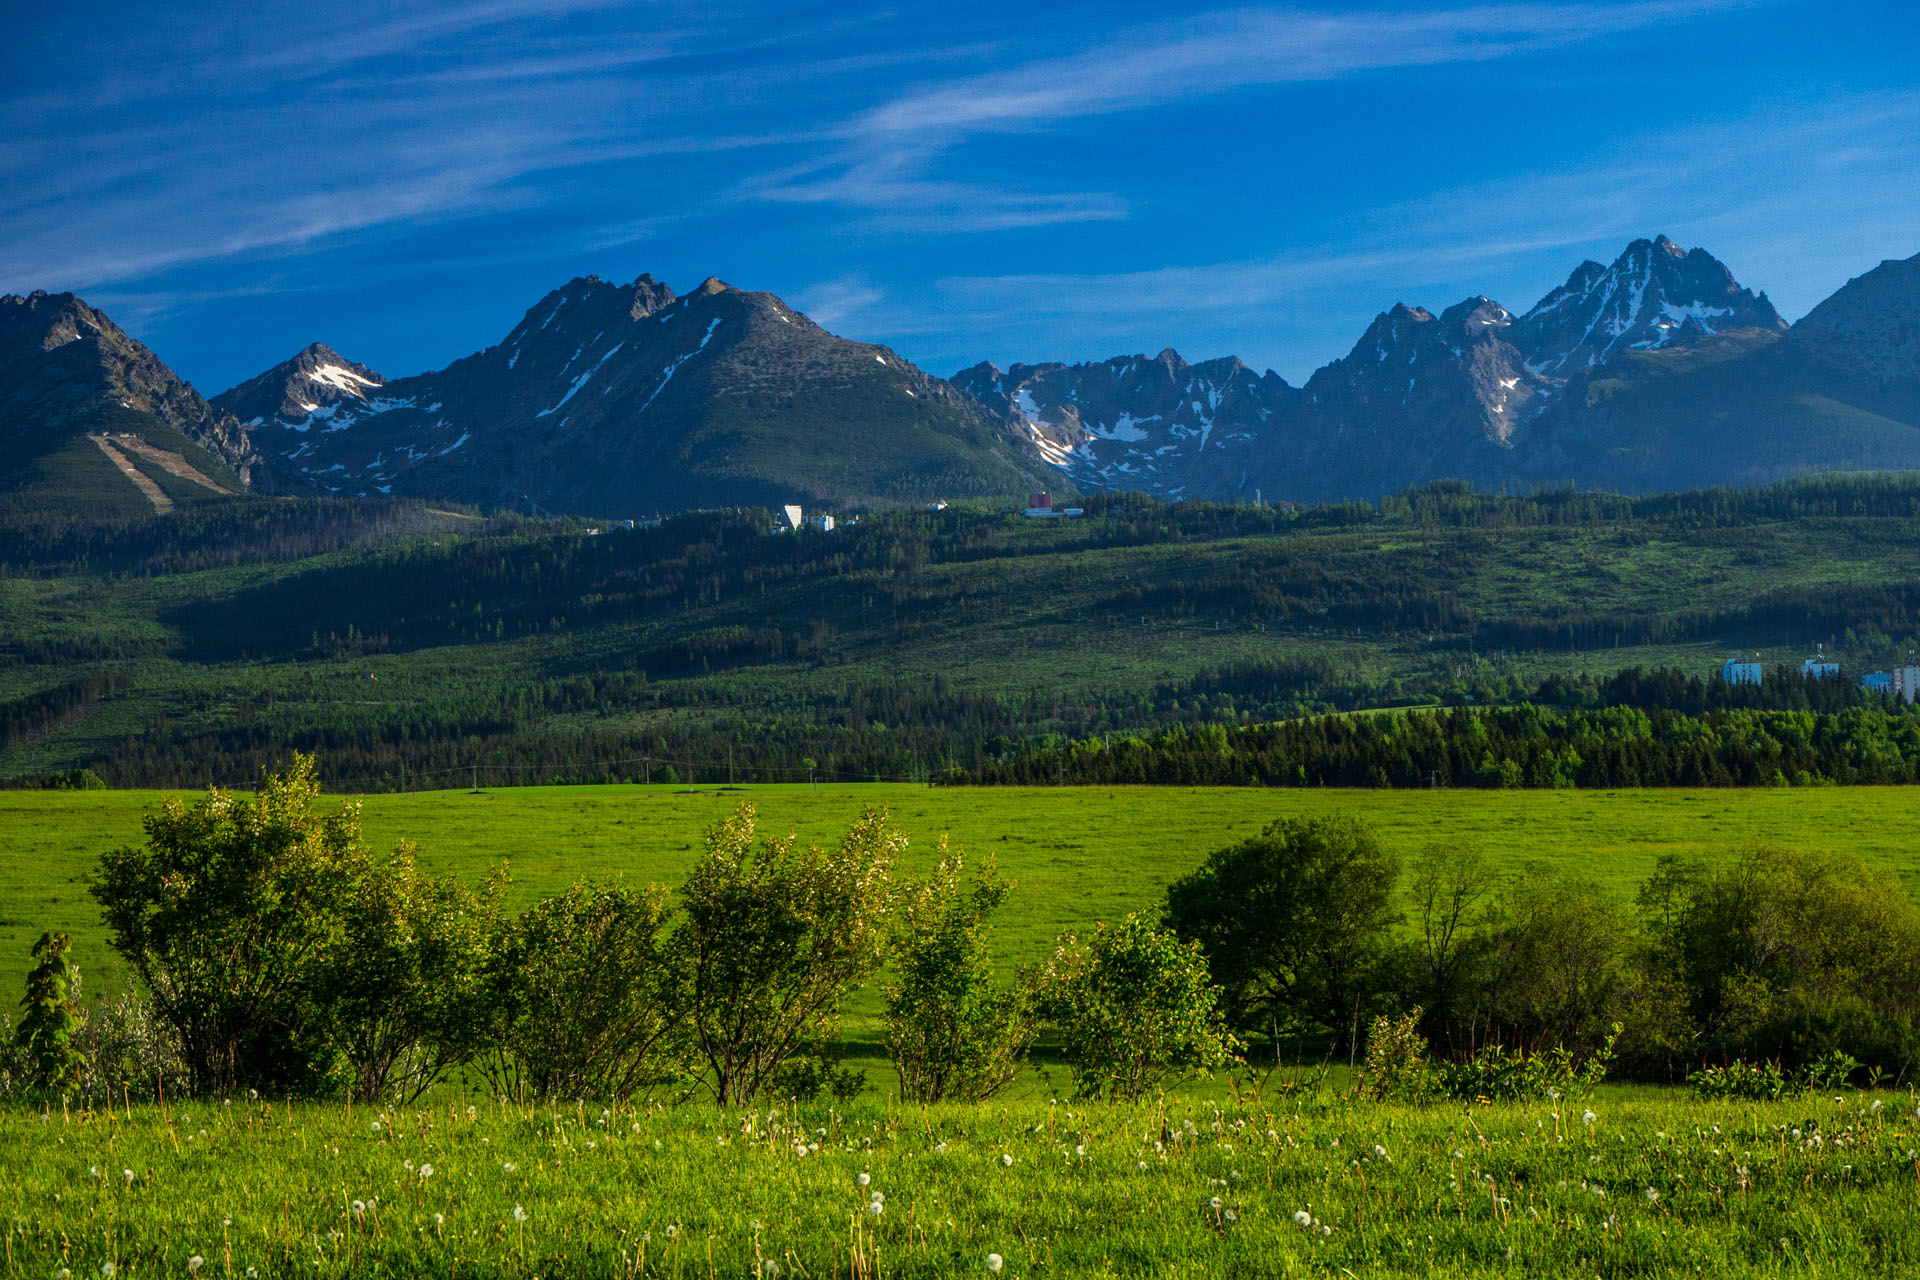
(1013, 182)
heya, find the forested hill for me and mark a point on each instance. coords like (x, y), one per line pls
(415, 645)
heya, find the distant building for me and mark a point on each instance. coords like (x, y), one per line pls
(1877, 682)
(1734, 671)
(1040, 507)
(823, 523)
(1818, 669)
(1906, 682)
(792, 517)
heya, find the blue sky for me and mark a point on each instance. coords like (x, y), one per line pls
(989, 181)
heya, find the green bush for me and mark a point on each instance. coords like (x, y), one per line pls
(773, 940)
(1396, 1064)
(1134, 1009)
(1496, 1072)
(951, 1033)
(586, 1001)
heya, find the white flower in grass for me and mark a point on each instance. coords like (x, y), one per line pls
(426, 1171)
(864, 1179)
(1587, 1118)
(770, 1267)
(1230, 1216)
(800, 1149)
(939, 1148)
(127, 1174)
(1143, 1166)
(1214, 1204)
(374, 1127)
(509, 1167)
(995, 1261)
(875, 1208)
(439, 1220)
(107, 1268)
(1006, 1162)
(1302, 1219)
(253, 1273)
(1652, 1195)
(878, 1197)
(359, 1208)
(673, 1233)
(195, 1263)
(519, 1213)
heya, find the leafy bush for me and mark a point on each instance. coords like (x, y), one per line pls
(1766, 1081)
(1496, 1072)
(404, 990)
(130, 1048)
(951, 1034)
(1396, 1064)
(586, 1001)
(1134, 1009)
(775, 937)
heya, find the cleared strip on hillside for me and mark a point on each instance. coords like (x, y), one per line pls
(161, 502)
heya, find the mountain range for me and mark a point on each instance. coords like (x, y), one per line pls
(1657, 371)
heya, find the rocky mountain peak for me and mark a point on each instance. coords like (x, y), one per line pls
(1653, 295)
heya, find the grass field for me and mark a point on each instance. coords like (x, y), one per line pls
(1079, 855)
(1648, 1188)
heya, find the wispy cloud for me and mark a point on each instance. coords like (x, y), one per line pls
(887, 161)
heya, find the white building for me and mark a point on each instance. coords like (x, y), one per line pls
(1906, 682)
(792, 517)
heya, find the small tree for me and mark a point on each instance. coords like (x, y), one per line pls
(49, 1017)
(950, 1033)
(1292, 921)
(775, 936)
(1134, 1009)
(586, 1002)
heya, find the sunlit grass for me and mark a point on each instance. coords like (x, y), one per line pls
(1660, 1187)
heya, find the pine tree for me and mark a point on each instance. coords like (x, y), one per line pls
(50, 1017)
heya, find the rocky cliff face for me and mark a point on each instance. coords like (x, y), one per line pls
(62, 363)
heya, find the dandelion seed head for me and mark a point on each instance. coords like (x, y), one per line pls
(1006, 1162)
(995, 1261)
(107, 1268)
(519, 1213)
(1302, 1218)
(194, 1263)
(864, 1179)
(359, 1207)
(875, 1208)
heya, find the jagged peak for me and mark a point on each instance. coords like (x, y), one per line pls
(712, 285)
(1170, 358)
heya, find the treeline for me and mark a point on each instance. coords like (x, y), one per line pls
(1526, 746)
(1804, 960)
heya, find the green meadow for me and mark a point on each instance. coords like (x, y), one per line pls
(1312, 1185)
(1079, 855)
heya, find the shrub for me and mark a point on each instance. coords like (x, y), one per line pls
(586, 1002)
(1134, 1009)
(1496, 1072)
(1396, 1063)
(129, 1047)
(775, 937)
(225, 914)
(951, 1034)
(1766, 1081)
(403, 991)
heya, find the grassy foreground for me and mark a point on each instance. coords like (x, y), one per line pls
(1823, 1186)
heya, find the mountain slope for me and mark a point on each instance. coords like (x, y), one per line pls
(93, 424)
(626, 399)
